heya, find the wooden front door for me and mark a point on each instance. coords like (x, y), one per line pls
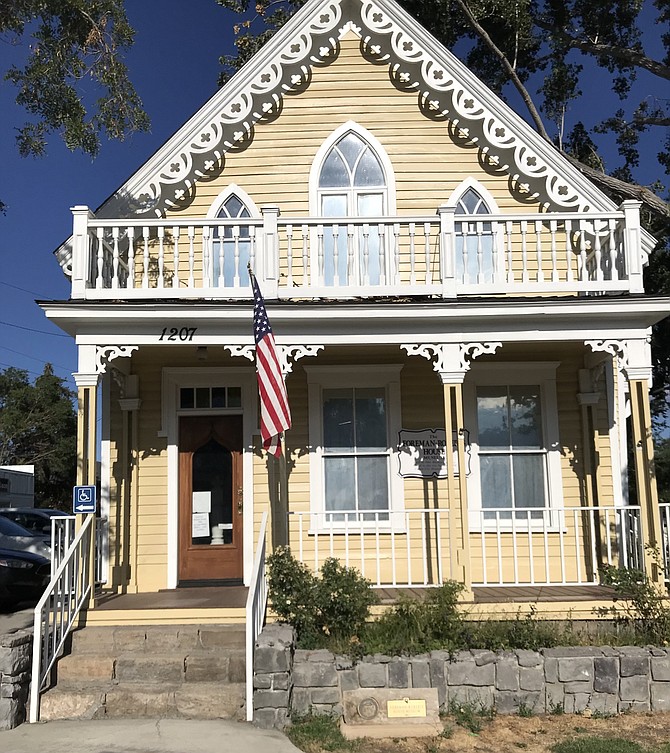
(210, 499)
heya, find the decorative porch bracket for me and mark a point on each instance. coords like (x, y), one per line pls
(287, 354)
(633, 358)
(452, 361)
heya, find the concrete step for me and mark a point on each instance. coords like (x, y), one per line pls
(223, 666)
(151, 700)
(162, 638)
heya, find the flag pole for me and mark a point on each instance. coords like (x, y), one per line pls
(275, 414)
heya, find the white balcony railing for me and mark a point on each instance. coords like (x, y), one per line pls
(440, 255)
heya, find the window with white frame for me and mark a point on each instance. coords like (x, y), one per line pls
(230, 245)
(474, 240)
(512, 412)
(354, 416)
(352, 182)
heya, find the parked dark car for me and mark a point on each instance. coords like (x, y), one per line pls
(17, 538)
(23, 576)
(34, 519)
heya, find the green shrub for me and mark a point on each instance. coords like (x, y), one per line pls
(336, 604)
(470, 715)
(523, 632)
(414, 626)
(343, 600)
(644, 610)
(292, 592)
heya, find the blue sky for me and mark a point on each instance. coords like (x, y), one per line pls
(174, 65)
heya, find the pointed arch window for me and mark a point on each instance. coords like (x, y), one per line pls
(475, 240)
(231, 245)
(352, 182)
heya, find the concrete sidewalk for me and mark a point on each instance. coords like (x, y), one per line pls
(143, 736)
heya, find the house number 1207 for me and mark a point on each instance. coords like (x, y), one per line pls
(172, 334)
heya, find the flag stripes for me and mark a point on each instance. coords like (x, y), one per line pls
(275, 413)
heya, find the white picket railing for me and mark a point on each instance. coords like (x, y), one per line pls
(257, 600)
(443, 254)
(391, 548)
(552, 546)
(57, 610)
(531, 547)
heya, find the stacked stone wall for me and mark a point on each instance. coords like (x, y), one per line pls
(599, 680)
(15, 661)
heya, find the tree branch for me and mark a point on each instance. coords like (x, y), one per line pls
(509, 69)
(622, 54)
(628, 190)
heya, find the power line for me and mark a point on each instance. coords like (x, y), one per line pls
(32, 358)
(30, 329)
(25, 290)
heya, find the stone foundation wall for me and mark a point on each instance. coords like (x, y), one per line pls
(15, 660)
(574, 679)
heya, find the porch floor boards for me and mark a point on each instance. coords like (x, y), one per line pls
(234, 597)
(207, 597)
(532, 594)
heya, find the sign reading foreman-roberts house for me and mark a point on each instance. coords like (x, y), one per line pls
(422, 453)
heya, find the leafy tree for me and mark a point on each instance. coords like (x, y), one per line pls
(38, 426)
(72, 43)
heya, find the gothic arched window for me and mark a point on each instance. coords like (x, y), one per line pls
(352, 183)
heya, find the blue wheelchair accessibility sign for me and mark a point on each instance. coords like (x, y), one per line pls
(83, 499)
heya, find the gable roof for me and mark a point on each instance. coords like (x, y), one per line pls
(444, 87)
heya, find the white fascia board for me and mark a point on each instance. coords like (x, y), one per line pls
(350, 324)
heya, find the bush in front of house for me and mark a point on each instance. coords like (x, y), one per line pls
(330, 607)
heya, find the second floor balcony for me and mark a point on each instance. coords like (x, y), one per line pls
(441, 255)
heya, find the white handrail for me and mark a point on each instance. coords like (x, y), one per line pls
(257, 600)
(57, 610)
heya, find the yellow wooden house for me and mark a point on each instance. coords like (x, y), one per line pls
(459, 313)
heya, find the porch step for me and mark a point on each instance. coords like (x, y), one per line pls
(155, 700)
(182, 671)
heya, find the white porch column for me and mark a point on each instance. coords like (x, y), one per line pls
(127, 507)
(634, 360)
(86, 380)
(452, 361)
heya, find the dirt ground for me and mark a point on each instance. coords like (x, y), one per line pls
(536, 734)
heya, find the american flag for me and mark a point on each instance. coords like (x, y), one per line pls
(275, 413)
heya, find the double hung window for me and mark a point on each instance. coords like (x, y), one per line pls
(513, 411)
(353, 417)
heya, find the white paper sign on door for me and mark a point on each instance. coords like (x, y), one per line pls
(200, 525)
